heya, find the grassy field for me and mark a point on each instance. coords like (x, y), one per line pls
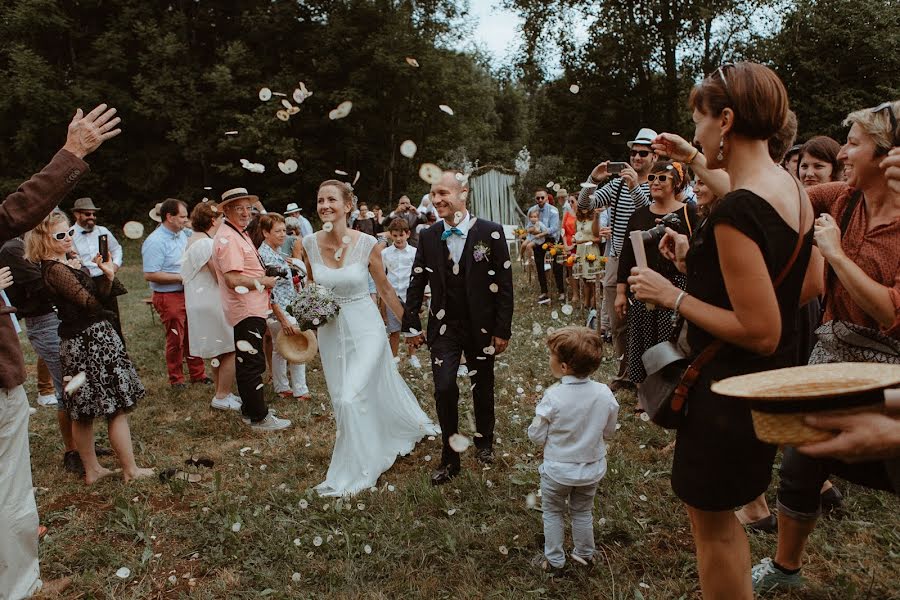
(252, 527)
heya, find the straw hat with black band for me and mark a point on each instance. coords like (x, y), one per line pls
(236, 194)
(299, 348)
(780, 399)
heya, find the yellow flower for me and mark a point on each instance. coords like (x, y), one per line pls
(545, 246)
(603, 260)
(553, 251)
(591, 257)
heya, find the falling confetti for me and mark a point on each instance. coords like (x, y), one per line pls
(430, 173)
(240, 289)
(495, 235)
(574, 88)
(408, 148)
(412, 62)
(75, 383)
(283, 115)
(343, 109)
(327, 227)
(244, 346)
(265, 94)
(133, 230)
(446, 109)
(459, 443)
(494, 288)
(287, 167)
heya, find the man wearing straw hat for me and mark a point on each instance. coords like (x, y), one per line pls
(245, 291)
(161, 253)
(293, 210)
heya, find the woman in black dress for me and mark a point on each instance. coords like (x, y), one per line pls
(731, 263)
(100, 379)
(646, 328)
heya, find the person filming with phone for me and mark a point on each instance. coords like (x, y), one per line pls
(91, 239)
(625, 193)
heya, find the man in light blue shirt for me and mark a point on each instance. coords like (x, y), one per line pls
(162, 252)
(549, 216)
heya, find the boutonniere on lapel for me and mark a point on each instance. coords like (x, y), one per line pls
(481, 251)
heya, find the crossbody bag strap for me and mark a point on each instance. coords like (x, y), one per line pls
(692, 373)
(852, 203)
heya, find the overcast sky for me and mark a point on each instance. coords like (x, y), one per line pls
(496, 31)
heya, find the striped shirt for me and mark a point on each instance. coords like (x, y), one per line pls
(622, 203)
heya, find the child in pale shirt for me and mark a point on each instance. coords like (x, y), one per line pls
(398, 260)
(572, 421)
(535, 233)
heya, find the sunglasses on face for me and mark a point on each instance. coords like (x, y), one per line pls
(64, 234)
(87, 213)
(661, 178)
(889, 107)
(641, 153)
(540, 197)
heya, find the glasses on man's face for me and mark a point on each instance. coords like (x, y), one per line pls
(87, 213)
(661, 178)
(889, 107)
(64, 234)
(641, 153)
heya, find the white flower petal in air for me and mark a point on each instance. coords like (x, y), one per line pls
(492, 272)
(549, 184)
(339, 172)
(446, 109)
(556, 187)
(507, 264)
(574, 88)
(265, 94)
(327, 226)
(283, 115)
(417, 270)
(289, 166)
(494, 288)
(489, 350)
(459, 443)
(214, 363)
(566, 309)
(412, 62)
(346, 239)
(455, 269)
(343, 109)
(442, 329)
(286, 103)
(457, 217)
(408, 148)
(123, 573)
(133, 230)
(259, 287)
(244, 346)
(75, 383)
(495, 235)
(440, 314)
(430, 173)
(240, 289)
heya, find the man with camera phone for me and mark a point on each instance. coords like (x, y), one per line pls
(622, 195)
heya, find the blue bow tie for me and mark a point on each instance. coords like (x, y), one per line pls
(452, 231)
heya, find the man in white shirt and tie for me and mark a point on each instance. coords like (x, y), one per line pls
(87, 243)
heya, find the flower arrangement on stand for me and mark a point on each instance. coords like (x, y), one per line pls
(559, 252)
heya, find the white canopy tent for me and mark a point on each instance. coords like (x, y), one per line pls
(492, 196)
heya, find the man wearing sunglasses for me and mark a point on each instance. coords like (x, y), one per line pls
(622, 195)
(549, 216)
(19, 212)
(86, 239)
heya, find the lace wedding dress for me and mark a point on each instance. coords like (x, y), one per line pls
(376, 415)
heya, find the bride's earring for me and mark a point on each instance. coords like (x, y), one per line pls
(721, 154)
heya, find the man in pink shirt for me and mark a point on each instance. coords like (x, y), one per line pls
(244, 288)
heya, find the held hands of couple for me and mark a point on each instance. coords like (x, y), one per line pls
(414, 341)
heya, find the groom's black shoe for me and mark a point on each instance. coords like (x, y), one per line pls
(485, 456)
(444, 474)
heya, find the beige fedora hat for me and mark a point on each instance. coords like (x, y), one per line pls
(84, 204)
(297, 349)
(154, 213)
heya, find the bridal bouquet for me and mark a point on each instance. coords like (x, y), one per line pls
(313, 306)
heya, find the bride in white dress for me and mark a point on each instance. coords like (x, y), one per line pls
(377, 417)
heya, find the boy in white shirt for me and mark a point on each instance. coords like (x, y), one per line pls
(398, 260)
(572, 421)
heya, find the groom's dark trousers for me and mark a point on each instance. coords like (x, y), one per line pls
(445, 352)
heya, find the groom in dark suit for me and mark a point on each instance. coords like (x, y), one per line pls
(466, 262)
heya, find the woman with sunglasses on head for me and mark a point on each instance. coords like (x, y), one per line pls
(101, 380)
(858, 232)
(648, 327)
(746, 268)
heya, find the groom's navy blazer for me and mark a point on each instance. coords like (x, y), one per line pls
(490, 312)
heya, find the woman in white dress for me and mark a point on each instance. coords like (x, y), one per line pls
(377, 417)
(209, 336)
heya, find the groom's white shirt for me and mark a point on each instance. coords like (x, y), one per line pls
(456, 243)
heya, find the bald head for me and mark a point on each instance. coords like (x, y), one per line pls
(449, 195)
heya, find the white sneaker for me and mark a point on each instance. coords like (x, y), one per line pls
(414, 362)
(271, 423)
(48, 400)
(462, 371)
(247, 420)
(229, 402)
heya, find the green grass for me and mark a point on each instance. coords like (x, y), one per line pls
(418, 549)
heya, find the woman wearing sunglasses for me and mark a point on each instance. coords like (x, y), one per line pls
(748, 268)
(647, 327)
(101, 380)
(858, 232)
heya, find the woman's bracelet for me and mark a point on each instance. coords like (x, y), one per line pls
(677, 307)
(693, 156)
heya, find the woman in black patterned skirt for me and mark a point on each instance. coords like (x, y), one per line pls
(100, 378)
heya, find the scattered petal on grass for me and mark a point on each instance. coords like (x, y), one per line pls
(235, 527)
(123, 573)
(531, 500)
(297, 541)
(343, 109)
(317, 541)
(265, 94)
(173, 579)
(427, 458)
(367, 549)
(644, 585)
(554, 315)
(645, 416)
(503, 550)
(296, 577)
(412, 61)
(391, 488)
(566, 309)
(642, 498)
(538, 388)
(451, 512)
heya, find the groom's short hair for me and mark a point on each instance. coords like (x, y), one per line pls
(581, 348)
(462, 180)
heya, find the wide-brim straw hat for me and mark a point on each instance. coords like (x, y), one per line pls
(154, 213)
(297, 349)
(780, 399)
(235, 194)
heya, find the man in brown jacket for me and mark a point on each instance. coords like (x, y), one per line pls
(21, 211)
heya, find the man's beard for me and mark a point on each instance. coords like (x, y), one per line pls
(89, 225)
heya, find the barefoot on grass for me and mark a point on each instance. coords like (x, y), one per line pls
(91, 477)
(138, 473)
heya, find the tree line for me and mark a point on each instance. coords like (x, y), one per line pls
(186, 75)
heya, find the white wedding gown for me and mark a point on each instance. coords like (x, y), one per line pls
(376, 415)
